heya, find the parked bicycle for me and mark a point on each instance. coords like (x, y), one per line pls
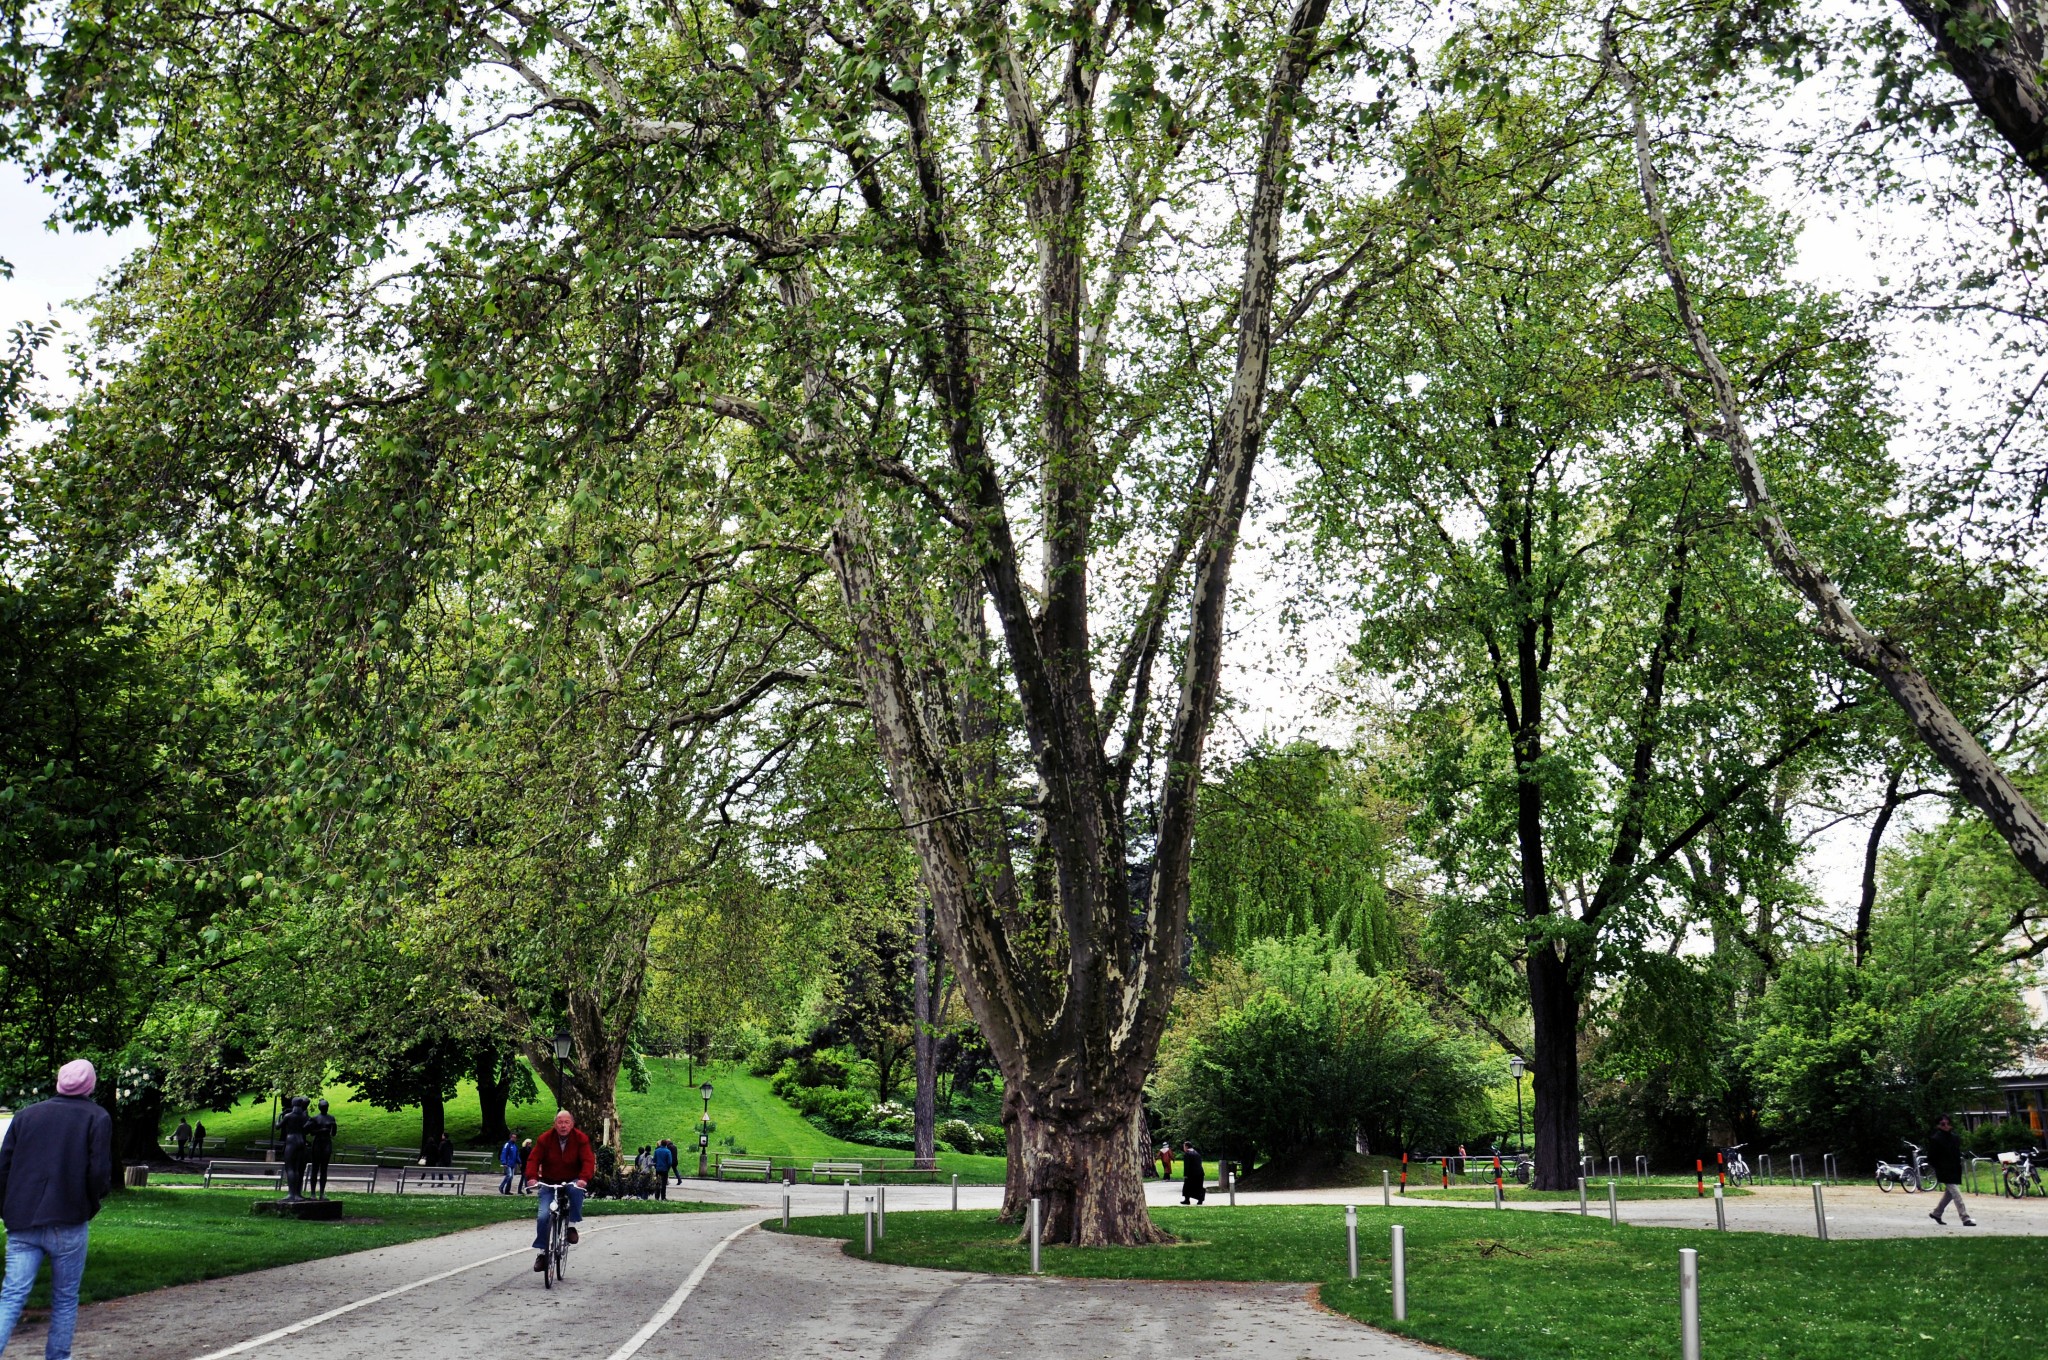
(1737, 1169)
(1909, 1175)
(2022, 1176)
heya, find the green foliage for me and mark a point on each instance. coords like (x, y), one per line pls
(1289, 1051)
(1855, 1059)
(1291, 841)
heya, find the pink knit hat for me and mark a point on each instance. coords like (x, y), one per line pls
(76, 1078)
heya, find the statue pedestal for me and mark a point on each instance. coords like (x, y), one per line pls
(314, 1210)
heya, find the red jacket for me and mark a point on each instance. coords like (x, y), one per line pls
(552, 1162)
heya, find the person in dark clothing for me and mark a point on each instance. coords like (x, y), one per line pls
(199, 1140)
(1191, 1186)
(56, 1165)
(444, 1151)
(1945, 1160)
(181, 1135)
(664, 1164)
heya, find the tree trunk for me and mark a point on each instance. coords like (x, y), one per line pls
(493, 1092)
(1090, 1190)
(1016, 1192)
(433, 1123)
(925, 1103)
(1996, 51)
(1867, 903)
(1554, 1014)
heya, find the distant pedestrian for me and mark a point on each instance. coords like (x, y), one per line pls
(182, 1136)
(199, 1139)
(664, 1163)
(674, 1148)
(1945, 1159)
(509, 1159)
(444, 1151)
(525, 1152)
(1191, 1187)
(1166, 1161)
(56, 1165)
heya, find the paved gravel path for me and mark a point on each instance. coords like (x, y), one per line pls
(473, 1295)
(765, 1295)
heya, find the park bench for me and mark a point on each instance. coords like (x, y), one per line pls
(352, 1173)
(764, 1167)
(222, 1170)
(910, 1172)
(432, 1180)
(835, 1171)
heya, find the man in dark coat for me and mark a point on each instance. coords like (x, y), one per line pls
(1191, 1176)
(1945, 1160)
(182, 1136)
(56, 1164)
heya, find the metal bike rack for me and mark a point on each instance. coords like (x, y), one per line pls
(1831, 1169)
(1642, 1167)
(1763, 1167)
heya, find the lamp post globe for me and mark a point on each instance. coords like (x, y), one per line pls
(564, 1043)
(704, 1133)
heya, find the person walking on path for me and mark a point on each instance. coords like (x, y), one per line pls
(561, 1156)
(1945, 1160)
(664, 1163)
(199, 1139)
(444, 1151)
(1166, 1161)
(1191, 1187)
(181, 1135)
(510, 1160)
(56, 1165)
(525, 1151)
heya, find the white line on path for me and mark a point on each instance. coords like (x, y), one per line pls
(281, 1333)
(675, 1300)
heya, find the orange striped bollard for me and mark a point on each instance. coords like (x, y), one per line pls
(1496, 1172)
(1721, 1168)
(1699, 1175)
(1447, 1173)
(1404, 1173)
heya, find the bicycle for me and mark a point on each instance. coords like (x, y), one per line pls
(2021, 1177)
(1737, 1169)
(557, 1253)
(1909, 1176)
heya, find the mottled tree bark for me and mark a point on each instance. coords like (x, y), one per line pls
(1996, 51)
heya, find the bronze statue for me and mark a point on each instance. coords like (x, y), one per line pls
(320, 1134)
(293, 1127)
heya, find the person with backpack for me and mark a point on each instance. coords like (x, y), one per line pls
(56, 1165)
(664, 1163)
(509, 1159)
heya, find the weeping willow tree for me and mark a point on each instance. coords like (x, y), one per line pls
(1295, 841)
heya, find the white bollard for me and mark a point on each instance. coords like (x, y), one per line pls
(1034, 1235)
(882, 1211)
(1351, 1237)
(868, 1217)
(1230, 1183)
(956, 1192)
(1613, 1204)
(785, 1206)
(1820, 1214)
(846, 1197)
(1386, 1189)
(1498, 1202)
(1582, 1197)
(1689, 1303)
(1720, 1210)
(1400, 1273)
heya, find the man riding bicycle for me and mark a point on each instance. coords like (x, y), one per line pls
(561, 1157)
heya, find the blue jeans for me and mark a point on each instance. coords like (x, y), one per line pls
(505, 1185)
(547, 1205)
(65, 1246)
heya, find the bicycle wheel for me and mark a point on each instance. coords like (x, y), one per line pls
(1884, 1182)
(561, 1249)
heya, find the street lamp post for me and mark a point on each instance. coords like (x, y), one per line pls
(1517, 1066)
(704, 1134)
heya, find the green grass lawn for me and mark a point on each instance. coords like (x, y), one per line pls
(146, 1239)
(741, 1104)
(1544, 1286)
